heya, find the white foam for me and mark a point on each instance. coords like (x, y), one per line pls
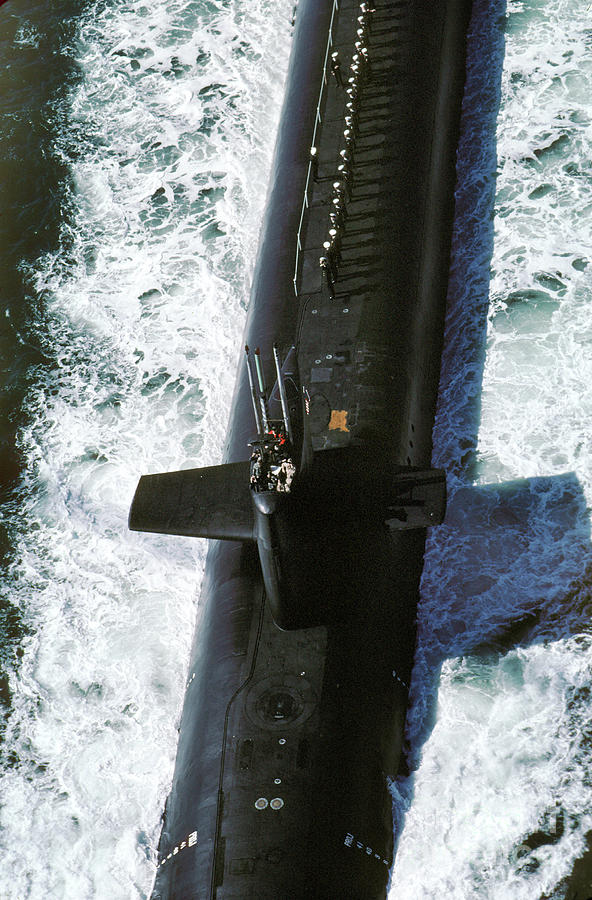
(170, 149)
(500, 714)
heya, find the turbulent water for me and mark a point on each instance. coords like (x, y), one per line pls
(144, 174)
(165, 133)
(500, 727)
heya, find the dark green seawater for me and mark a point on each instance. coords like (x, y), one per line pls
(38, 74)
(134, 152)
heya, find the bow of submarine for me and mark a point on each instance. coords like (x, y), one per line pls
(287, 736)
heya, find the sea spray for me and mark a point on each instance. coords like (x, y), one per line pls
(168, 145)
(499, 803)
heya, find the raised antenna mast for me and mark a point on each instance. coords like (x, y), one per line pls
(282, 390)
(262, 390)
(254, 397)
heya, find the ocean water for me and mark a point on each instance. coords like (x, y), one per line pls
(133, 303)
(500, 800)
(146, 174)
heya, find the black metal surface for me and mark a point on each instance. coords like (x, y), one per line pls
(212, 502)
(287, 737)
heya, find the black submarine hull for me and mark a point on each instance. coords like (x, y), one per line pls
(287, 737)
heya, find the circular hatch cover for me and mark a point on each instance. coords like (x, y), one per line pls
(280, 701)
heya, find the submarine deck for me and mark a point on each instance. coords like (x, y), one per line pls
(355, 365)
(287, 737)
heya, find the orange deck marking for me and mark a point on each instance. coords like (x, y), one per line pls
(338, 420)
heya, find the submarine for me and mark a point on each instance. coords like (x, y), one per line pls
(299, 673)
